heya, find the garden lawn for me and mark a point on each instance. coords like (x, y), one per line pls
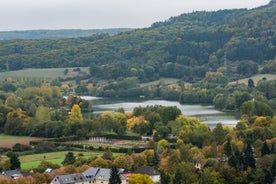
(32, 161)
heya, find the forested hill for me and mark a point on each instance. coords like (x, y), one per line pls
(184, 47)
(57, 34)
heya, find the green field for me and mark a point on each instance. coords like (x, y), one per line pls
(32, 161)
(163, 81)
(45, 74)
(11, 137)
(255, 78)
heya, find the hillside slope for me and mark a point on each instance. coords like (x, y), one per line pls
(186, 46)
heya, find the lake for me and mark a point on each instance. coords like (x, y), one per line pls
(205, 113)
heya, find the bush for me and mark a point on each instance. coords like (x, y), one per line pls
(20, 147)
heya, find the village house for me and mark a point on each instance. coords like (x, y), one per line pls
(92, 175)
(154, 174)
(13, 174)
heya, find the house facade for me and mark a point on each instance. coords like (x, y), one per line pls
(92, 175)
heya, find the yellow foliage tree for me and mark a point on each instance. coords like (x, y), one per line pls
(128, 115)
(240, 145)
(65, 88)
(89, 87)
(262, 121)
(140, 179)
(75, 114)
(135, 121)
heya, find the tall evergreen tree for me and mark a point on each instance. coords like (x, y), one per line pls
(155, 159)
(265, 149)
(165, 177)
(14, 160)
(273, 168)
(249, 160)
(228, 148)
(177, 177)
(69, 159)
(114, 176)
(267, 177)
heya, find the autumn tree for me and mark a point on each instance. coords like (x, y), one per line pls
(108, 155)
(119, 125)
(75, 114)
(140, 178)
(100, 162)
(139, 160)
(42, 178)
(107, 120)
(125, 162)
(42, 114)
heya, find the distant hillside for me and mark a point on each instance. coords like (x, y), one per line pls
(56, 34)
(239, 42)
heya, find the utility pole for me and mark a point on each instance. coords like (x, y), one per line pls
(7, 65)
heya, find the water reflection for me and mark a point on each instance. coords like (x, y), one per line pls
(207, 114)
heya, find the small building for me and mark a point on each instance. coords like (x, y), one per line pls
(14, 174)
(197, 166)
(154, 174)
(146, 138)
(49, 171)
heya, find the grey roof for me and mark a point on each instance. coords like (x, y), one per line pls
(69, 179)
(98, 173)
(147, 170)
(11, 173)
(103, 174)
(91, 172)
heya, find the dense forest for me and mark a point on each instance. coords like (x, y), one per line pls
(184, 47)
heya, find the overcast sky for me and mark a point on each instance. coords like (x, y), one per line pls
(94, 14)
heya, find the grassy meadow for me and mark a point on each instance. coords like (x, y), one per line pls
(255, 78)
(32, 161)
(11, 137)
(47, 74)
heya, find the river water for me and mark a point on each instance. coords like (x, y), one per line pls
(206, 113)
